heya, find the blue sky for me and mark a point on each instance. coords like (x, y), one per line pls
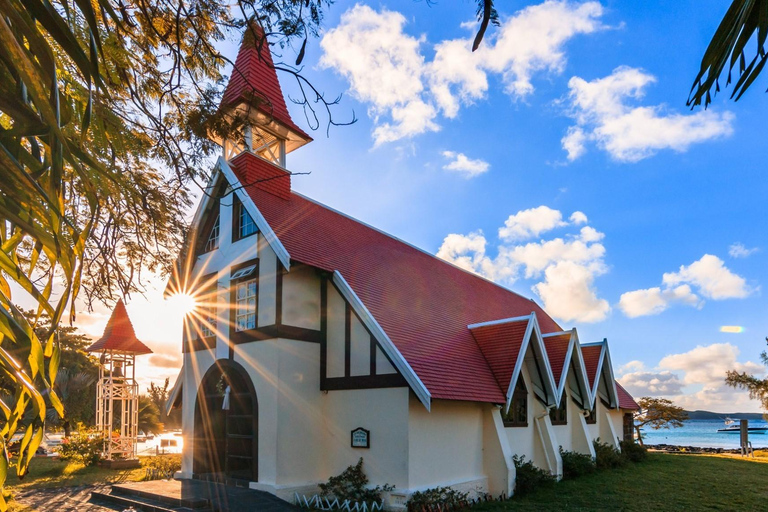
(658, 187)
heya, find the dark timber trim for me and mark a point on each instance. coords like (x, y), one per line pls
(374, 380)
(392, 380)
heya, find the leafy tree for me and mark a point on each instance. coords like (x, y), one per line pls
(159, 396)
(744, 20)
(77, 393)
(758, 388)
(149, 416)
(658, 413)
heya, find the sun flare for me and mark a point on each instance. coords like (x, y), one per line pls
(182, 303)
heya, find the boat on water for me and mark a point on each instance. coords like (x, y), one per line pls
(731, 427)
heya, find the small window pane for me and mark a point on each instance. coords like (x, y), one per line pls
(245, 224)
(246, 305)
(213, 237)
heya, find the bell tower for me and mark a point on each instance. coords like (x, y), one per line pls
(254, 93)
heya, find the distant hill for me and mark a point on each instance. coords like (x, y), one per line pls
(707, 415)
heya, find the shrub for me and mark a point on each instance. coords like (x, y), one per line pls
(442, 497)
(633, 451)
(606, 456)
(161, 466)
(352, 485)
(529, 477)
(82, 448)
(576, 464)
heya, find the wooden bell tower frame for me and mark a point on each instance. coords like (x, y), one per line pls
(117, 393)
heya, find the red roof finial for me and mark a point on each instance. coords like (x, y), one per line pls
(254, 80)
(119, 334)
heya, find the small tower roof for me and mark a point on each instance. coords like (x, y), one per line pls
(254, 78)
(119, 334)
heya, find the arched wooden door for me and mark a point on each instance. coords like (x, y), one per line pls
(226, 425)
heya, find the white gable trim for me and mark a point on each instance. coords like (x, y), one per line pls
(604, 357)
(499, 322)
(549, 381)
(584, 377)
(386, 344)
(175, 393)
(520, 355)
(258, 218)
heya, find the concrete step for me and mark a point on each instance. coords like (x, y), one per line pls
(172, 501)
(139, 503)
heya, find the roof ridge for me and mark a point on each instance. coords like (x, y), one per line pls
(412, 246)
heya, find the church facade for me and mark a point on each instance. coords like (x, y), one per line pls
(319, 340)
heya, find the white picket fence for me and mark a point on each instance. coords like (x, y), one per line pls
(319, 503)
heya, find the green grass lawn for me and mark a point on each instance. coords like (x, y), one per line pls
(663, 482)
(46, 473)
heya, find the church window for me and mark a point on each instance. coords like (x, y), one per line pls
(559, 415)
(213, 238)
(245, 307)
(244, 224)
(517, 415)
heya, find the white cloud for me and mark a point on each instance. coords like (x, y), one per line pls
(604, 115)
(568, 265)
(530, 223)
(653, 301)
(384, 67)
(709, 276)
(696, 379)
(568, 292)
(739, 250)
(387, 70)
(467, 167)
(652, 384)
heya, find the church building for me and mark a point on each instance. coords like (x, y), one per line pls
(319, 339)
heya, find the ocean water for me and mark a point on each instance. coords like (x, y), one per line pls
(704, 434)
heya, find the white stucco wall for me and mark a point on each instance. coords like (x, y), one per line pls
(195, 366)
(301, 297)
(445, 444)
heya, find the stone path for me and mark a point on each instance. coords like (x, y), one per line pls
(67, 499)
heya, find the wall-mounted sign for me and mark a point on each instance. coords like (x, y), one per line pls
(361, 438)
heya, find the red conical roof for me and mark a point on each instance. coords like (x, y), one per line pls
(254, 76)
(119, 334)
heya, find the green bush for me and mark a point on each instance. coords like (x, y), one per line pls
(606, 456)
(352, 485)
(576, 464)
(161, 466)
(443, 497)
(81, 448)
(529, 477)
(633, 452)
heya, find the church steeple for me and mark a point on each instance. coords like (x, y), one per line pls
(254, 91)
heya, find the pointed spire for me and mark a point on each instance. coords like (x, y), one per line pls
(254, 81)
(119, 334)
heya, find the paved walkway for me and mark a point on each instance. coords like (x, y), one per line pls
(66, 499)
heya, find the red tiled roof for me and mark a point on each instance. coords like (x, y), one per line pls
(254, 76)
(423, 303)
(591, 355)
(501, 344)
(625, 399)
(119, 334)
(557, 350)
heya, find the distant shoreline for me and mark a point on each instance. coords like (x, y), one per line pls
(670, 448)
(708, 415)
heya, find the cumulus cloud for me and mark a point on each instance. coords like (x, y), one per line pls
(739, 250)
(606, 116)
(695, 379)
(387, 70)
(709, 276)
(467, 167)
(565, 267)
(652, 384)
(653, 301)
